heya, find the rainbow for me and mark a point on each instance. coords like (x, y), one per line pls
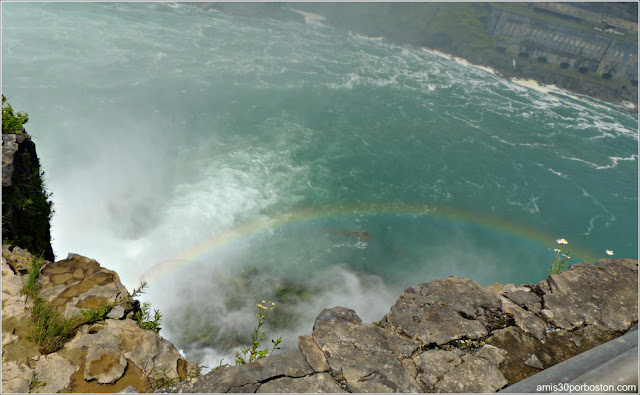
(244, 230)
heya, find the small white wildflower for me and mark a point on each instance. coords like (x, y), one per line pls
(609, 252)
(556, 250)
(562, 241)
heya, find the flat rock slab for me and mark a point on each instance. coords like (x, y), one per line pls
(443, 310)
(525, 320)
(605, 293)
(16, 377)
(54, 371)
(455, 371)
(104, 365)
(472, 375)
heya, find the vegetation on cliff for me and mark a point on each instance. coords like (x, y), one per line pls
(51, 329)
(12, 122)
(26, 204)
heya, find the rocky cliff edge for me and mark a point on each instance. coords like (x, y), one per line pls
(449, 335)
(112, 355)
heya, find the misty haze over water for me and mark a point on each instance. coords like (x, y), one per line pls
(229, 160)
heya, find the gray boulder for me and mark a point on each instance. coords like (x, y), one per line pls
(443, 310)
(605, 293)
(358, 354)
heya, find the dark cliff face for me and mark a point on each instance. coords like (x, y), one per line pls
(26, 208)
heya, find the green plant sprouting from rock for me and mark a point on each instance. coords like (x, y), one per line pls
(12, 122)
(50, 330)
(250, 354)
(143, 316)
(34, 384)
(145, 320)
(561, 260)
(159, 378)
(97, 315)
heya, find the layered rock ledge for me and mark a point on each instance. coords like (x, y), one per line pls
(448, 335)
(108, 356)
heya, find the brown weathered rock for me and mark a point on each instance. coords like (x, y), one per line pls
(13, 302)
(443, 310)
(148, 351)
(104, 365)
(556, 348)
(314, 356)
(358, 354)
(80, 283)
(115, 351)
(605, 293)
(19, 260)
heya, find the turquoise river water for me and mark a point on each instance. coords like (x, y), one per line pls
(227, 160)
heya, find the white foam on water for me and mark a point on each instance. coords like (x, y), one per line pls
(614, 161)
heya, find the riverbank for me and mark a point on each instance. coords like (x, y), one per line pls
(555, 51)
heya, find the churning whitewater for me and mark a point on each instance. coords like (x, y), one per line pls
(229, 160)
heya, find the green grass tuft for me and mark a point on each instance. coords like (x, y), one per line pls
(51, 329)
(96, 315)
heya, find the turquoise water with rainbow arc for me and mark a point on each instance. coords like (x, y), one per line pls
(230, 159)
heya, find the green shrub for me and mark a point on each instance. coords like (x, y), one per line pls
(143, 316)
(144, 319)
(12, 123)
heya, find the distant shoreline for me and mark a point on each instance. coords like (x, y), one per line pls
(530, 75)
(528, 83)
(544, 78)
